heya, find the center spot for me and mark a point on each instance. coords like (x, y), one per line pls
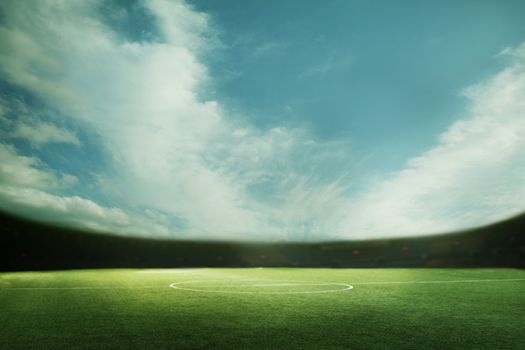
(261, 286)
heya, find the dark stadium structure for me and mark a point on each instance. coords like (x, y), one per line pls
(28, 245)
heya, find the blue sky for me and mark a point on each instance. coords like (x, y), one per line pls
(263, 120)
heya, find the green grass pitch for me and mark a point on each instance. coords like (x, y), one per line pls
(270, 308)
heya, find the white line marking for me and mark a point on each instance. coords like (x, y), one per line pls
(301, 283)
(345, 286)
(308, 283)
(443, 281)
(287, 284)
(74, 288)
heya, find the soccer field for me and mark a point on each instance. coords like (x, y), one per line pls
(271, 308)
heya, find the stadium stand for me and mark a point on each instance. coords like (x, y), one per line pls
(28, 245)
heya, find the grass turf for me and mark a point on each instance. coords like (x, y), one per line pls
(115, 309)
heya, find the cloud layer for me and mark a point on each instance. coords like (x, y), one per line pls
(183, 165)
(474, 175)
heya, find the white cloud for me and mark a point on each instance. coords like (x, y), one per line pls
(21, 51)
(21, 171)
(77, 212)
(41, 133)
(25, 183)
(174, 152)
(474, 175)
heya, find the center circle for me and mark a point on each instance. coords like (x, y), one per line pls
(261, 286)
